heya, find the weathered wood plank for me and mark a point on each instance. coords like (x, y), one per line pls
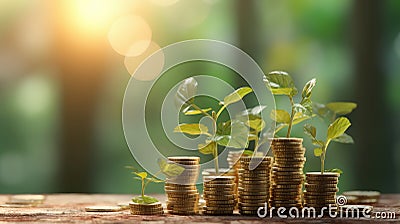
(70, 208)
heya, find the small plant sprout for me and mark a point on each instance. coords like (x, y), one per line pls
(167, 169)
(336, 132)
(281, 83)
(229, 134)
(253, 120)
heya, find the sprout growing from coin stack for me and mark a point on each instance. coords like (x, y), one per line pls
(287, 170)
(321, 187)
(147, 205)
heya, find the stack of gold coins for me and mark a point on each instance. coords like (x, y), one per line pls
(287, 173)
(24, 200)
(146, 209)
(219, 195)
(362, 197)
(223, 172)
(233, 161)
(182, 193)
(321, 189)
(253, 184)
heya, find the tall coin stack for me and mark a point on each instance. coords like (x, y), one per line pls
(219, 195)
(182, 193)
(253, 184)
(234, 165)
(321, 189)
(287, 172)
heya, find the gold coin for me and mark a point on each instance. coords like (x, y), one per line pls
(363, 194)
(218, 212)
(103, 208)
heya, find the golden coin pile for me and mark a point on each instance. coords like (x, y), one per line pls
(219, 195)
(234, 165)
(182, 194)
(287, 172)
(253, 184)
(223, 172)
(362, 197)
(24, 200)
(321, 189)
(146, 209)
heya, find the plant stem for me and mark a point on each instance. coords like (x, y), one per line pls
(143, 188)
(216, 159)
(291, 117)
(202, 111)
(322, 163)
(220, 111)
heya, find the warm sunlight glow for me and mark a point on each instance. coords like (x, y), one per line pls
(164, 2)
(130, 35)
(93, 15)
(132, 63)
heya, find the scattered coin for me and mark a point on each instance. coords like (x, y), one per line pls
(103, 208)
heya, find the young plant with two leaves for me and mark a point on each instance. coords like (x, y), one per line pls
(336, 129)
(168, 169)
(231, 133)
(281, 83)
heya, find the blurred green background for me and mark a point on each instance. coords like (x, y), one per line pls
(62, 81)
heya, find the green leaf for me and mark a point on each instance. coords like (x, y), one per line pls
(236, 95)
(248, 152)
(335, 170)
(310, 130)
(322, 111)
(317, 152)
(142, 175)
(145, 200)
(337, 128)
(280, 83)
(318, 143)
(232, 134)
(196, 112)
(192, 129)
(307, 104)
(185, 94)
(344, 138)
(169, 169)
(208, 148)
(256, 124)
(280, 116)
(154, 180)
(300, 117)
(341, 108)
(306, 93)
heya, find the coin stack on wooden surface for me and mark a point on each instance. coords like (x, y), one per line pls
(181, 190)
(362, 197)
(219, 195)
(146, 209)
(321, 189)
(253, 184)
(223, 172)
(287, 175)
(24, 200)
(233, 161)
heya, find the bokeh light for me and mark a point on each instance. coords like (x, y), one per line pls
(132, 63)
(164, 2)
(130, 35)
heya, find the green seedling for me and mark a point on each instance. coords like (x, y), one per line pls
(336, 132)
(281, 83)
(168, 169)
(228, 134)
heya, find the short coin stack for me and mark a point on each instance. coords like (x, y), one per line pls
(24, 200)
(287, 172)
(219, 195)
(223, 172)
(321, 189)
(146, 209)
(253, 184)
(182, 194)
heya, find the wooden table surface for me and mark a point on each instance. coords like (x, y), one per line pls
(70, 208)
